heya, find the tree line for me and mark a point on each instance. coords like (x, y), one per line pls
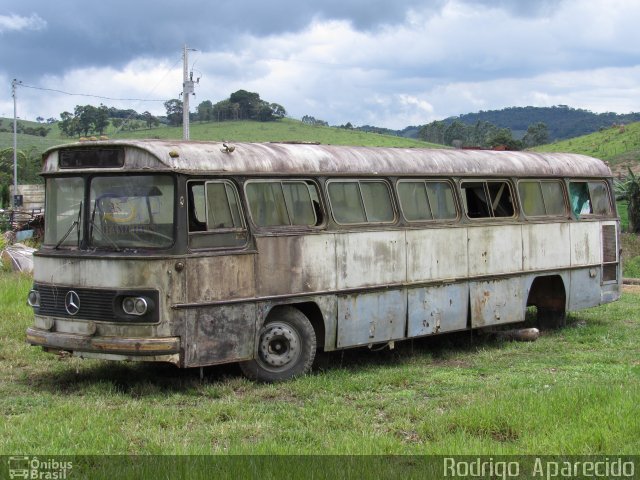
(562, 121)
(241, 105)
(482, 134)
(89, 120)
(39, 131)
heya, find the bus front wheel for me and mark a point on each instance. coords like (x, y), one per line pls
(286, 347)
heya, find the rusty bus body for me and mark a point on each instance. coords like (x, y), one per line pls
(203, 253)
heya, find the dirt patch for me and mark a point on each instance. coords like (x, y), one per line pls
(631, 288)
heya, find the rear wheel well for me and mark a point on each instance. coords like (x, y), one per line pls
(548, 295)
(313, 314)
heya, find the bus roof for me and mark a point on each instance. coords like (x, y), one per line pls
(312, 159)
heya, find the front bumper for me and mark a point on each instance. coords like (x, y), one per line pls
(129, 347)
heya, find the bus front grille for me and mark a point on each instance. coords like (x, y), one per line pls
(89, 304)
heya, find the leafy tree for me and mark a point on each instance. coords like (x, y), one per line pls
(174, 111)
(537, 134)
(277, 111)
(309, 120)
(69, 124)
(629, 190)
(28, 166)
(86, 116)
(249, 103)
(241, 105)
(150, 120)
(205, 111)
(503, 137)
(101, 119)
(480, 133)
(455, 131)
(5, 195)
(433, 132)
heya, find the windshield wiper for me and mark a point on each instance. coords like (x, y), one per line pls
(93, 225)
(76, 223)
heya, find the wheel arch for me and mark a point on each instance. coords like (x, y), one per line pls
(309, 309)
(548, 294)
(548, 291)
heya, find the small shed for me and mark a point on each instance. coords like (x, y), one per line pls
(32, 197)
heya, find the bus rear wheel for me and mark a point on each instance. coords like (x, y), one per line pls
(286, 347)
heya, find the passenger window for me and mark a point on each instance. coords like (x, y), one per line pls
(198, 212)
(222, 206)
(426, 200)
(599, 198)
(284, 203)
(215, 216)
(377, 201)
(541, 198)
(346, 202)
(553, 194)
(589, 198)
(484, 199)
(361, 201)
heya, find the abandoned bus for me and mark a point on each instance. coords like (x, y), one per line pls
(200, 253)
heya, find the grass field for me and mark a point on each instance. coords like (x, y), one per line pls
(619, 146)
(574, 391)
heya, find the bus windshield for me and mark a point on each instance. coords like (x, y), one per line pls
(122, 212)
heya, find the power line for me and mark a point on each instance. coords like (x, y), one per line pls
(94, 96)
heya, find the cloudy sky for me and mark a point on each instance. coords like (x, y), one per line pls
(389, 63)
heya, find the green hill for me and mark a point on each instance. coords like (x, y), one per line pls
(286, 130)
(619, 146)
(563, 121)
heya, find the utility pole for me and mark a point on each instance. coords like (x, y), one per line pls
(14, 84)
(187, 89)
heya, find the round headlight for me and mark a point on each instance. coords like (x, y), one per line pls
(135, 306)
(33, 299)
(128, 305)
(141, 306)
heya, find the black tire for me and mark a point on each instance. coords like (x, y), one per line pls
(551, 319)
(285, 348)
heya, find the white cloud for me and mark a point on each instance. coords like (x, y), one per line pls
(448, 57)
(16, 23)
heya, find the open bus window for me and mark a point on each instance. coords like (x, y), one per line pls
(361, 201)
(589, 198)
(287, 203)
(542, 198)
(215, 216)
(487, 199)
(426, 200)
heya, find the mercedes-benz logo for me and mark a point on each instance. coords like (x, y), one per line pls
(72, 302)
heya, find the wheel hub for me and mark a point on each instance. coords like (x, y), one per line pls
(279, 346)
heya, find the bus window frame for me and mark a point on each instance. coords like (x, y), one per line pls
(456, 202)
(321, 221)
(611, 202)
(215, 231)
(358, 180)
(86, 242)
(565, 198)
(485, 185)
